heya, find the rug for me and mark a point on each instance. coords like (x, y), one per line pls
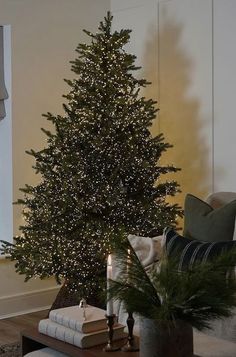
(10, 350)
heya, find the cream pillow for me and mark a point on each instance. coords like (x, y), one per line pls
(148, 250)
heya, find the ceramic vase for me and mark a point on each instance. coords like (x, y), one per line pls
(162, 339)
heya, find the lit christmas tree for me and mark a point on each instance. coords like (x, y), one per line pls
(99, 172)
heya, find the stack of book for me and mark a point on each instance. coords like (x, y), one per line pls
(69, 325)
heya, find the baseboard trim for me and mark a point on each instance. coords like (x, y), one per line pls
(23, 312)
(24, 303)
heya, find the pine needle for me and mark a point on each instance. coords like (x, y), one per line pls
(197, 295)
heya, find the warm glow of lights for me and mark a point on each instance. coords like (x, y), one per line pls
(100, 171)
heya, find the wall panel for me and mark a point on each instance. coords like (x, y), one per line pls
(143, 21)
(173, 42)
(190, 54)
(185, 79)
(224, 95)
(121, 5)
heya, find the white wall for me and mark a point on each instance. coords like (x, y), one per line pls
(44, 36)
(186, 47)
(224, 95)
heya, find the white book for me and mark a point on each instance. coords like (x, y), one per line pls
(73, 318)
(76, 338)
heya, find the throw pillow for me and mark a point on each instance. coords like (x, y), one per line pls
(202, 222)
(219, 199)
(148, 250)
(190, 251)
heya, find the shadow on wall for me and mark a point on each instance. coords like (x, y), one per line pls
(179, 118)
(149, 63)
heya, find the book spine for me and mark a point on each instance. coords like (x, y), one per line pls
(60, 332)
(76, 325)
(75, 338)
(67, 322)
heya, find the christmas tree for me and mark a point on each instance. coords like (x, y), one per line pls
(99, 174)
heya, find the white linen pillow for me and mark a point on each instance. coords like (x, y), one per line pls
(148, 250)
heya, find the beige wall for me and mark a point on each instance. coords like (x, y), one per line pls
(186, 48)
(45, 34)
(169, 38)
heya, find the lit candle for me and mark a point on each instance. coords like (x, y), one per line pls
(128, 264)
(109, 276)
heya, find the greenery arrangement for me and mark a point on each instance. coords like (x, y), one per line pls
(196, 295)
(100, 176)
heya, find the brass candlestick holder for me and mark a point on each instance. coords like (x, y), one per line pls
(110, 322)
(131, 345)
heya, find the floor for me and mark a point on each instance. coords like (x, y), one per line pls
(10, 328)
(204, 345)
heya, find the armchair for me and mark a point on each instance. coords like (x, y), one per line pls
(224, 328)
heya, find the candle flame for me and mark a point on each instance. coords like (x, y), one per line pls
(109, 259)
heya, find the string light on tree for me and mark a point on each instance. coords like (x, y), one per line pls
(100, 172)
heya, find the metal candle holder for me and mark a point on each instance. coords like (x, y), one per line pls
(109, 346)
(130, 346)
(83, 305)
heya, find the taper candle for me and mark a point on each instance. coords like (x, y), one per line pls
(109, 276)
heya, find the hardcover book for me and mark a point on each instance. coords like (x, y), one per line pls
(76, 338)
(73, 318)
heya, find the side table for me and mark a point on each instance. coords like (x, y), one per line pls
(204, 346)
(32, 340)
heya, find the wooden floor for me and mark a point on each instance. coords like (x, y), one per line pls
(10, 328)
